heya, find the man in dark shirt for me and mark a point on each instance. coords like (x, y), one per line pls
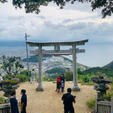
(68, 101)
(14, 103)
(23, 101)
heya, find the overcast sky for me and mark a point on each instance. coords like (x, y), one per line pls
(74, 22)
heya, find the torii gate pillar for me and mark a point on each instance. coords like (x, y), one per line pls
(40, 86)
(75, 81)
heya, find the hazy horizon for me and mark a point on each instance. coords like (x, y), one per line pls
(18, 48)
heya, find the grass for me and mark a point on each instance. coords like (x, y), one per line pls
(91, 103)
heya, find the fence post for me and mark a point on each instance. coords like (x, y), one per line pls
(112, 105)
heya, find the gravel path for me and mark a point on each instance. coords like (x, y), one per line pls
(50, 102)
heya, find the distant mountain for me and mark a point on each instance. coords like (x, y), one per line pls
(109, 66)
(98, 71)
(51, 63)
(105, 70)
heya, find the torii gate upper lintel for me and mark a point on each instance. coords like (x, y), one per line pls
(57, 52)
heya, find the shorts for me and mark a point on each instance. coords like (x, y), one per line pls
(58, 85)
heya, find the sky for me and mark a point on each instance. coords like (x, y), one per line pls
(73, 23)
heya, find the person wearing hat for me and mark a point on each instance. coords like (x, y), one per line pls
(23, 101)
(68, 101)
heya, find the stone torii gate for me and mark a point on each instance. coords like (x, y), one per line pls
(57, 52)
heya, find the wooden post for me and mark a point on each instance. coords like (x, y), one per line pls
(75, 82)
(40, 86)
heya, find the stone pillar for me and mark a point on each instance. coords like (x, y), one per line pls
(40, 86)
(75, 82)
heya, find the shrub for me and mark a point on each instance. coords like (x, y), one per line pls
(6, 77)
(4, 100)
(23, 77)
(108, 96)
(48, 79)
(69, 76)
(8, 86)
(12, 82)
(91, 103)
(86, 79)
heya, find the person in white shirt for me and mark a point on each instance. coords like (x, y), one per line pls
(32, 76)
(1, 79)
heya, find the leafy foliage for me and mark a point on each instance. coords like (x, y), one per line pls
(86, 79)
(69, 75)
(34, 5)
(4, 100)
(49, 79)
(108, 96)
(12, 82)
(22, 77)
(8, 86)
(11, 65)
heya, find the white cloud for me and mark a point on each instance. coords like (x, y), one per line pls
(54, 24)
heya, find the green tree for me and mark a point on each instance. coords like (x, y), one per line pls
(79, 71)
(86, 79)
(56, 70)
(69, 75)
(30, 6)
(11, 65)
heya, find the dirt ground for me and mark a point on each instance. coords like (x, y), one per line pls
(50, 102)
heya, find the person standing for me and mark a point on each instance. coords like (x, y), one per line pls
(14, 103)
(62, 83)
(23, 101)
(1, 79)
(33, 76)
(58, 84)
(68, 101)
